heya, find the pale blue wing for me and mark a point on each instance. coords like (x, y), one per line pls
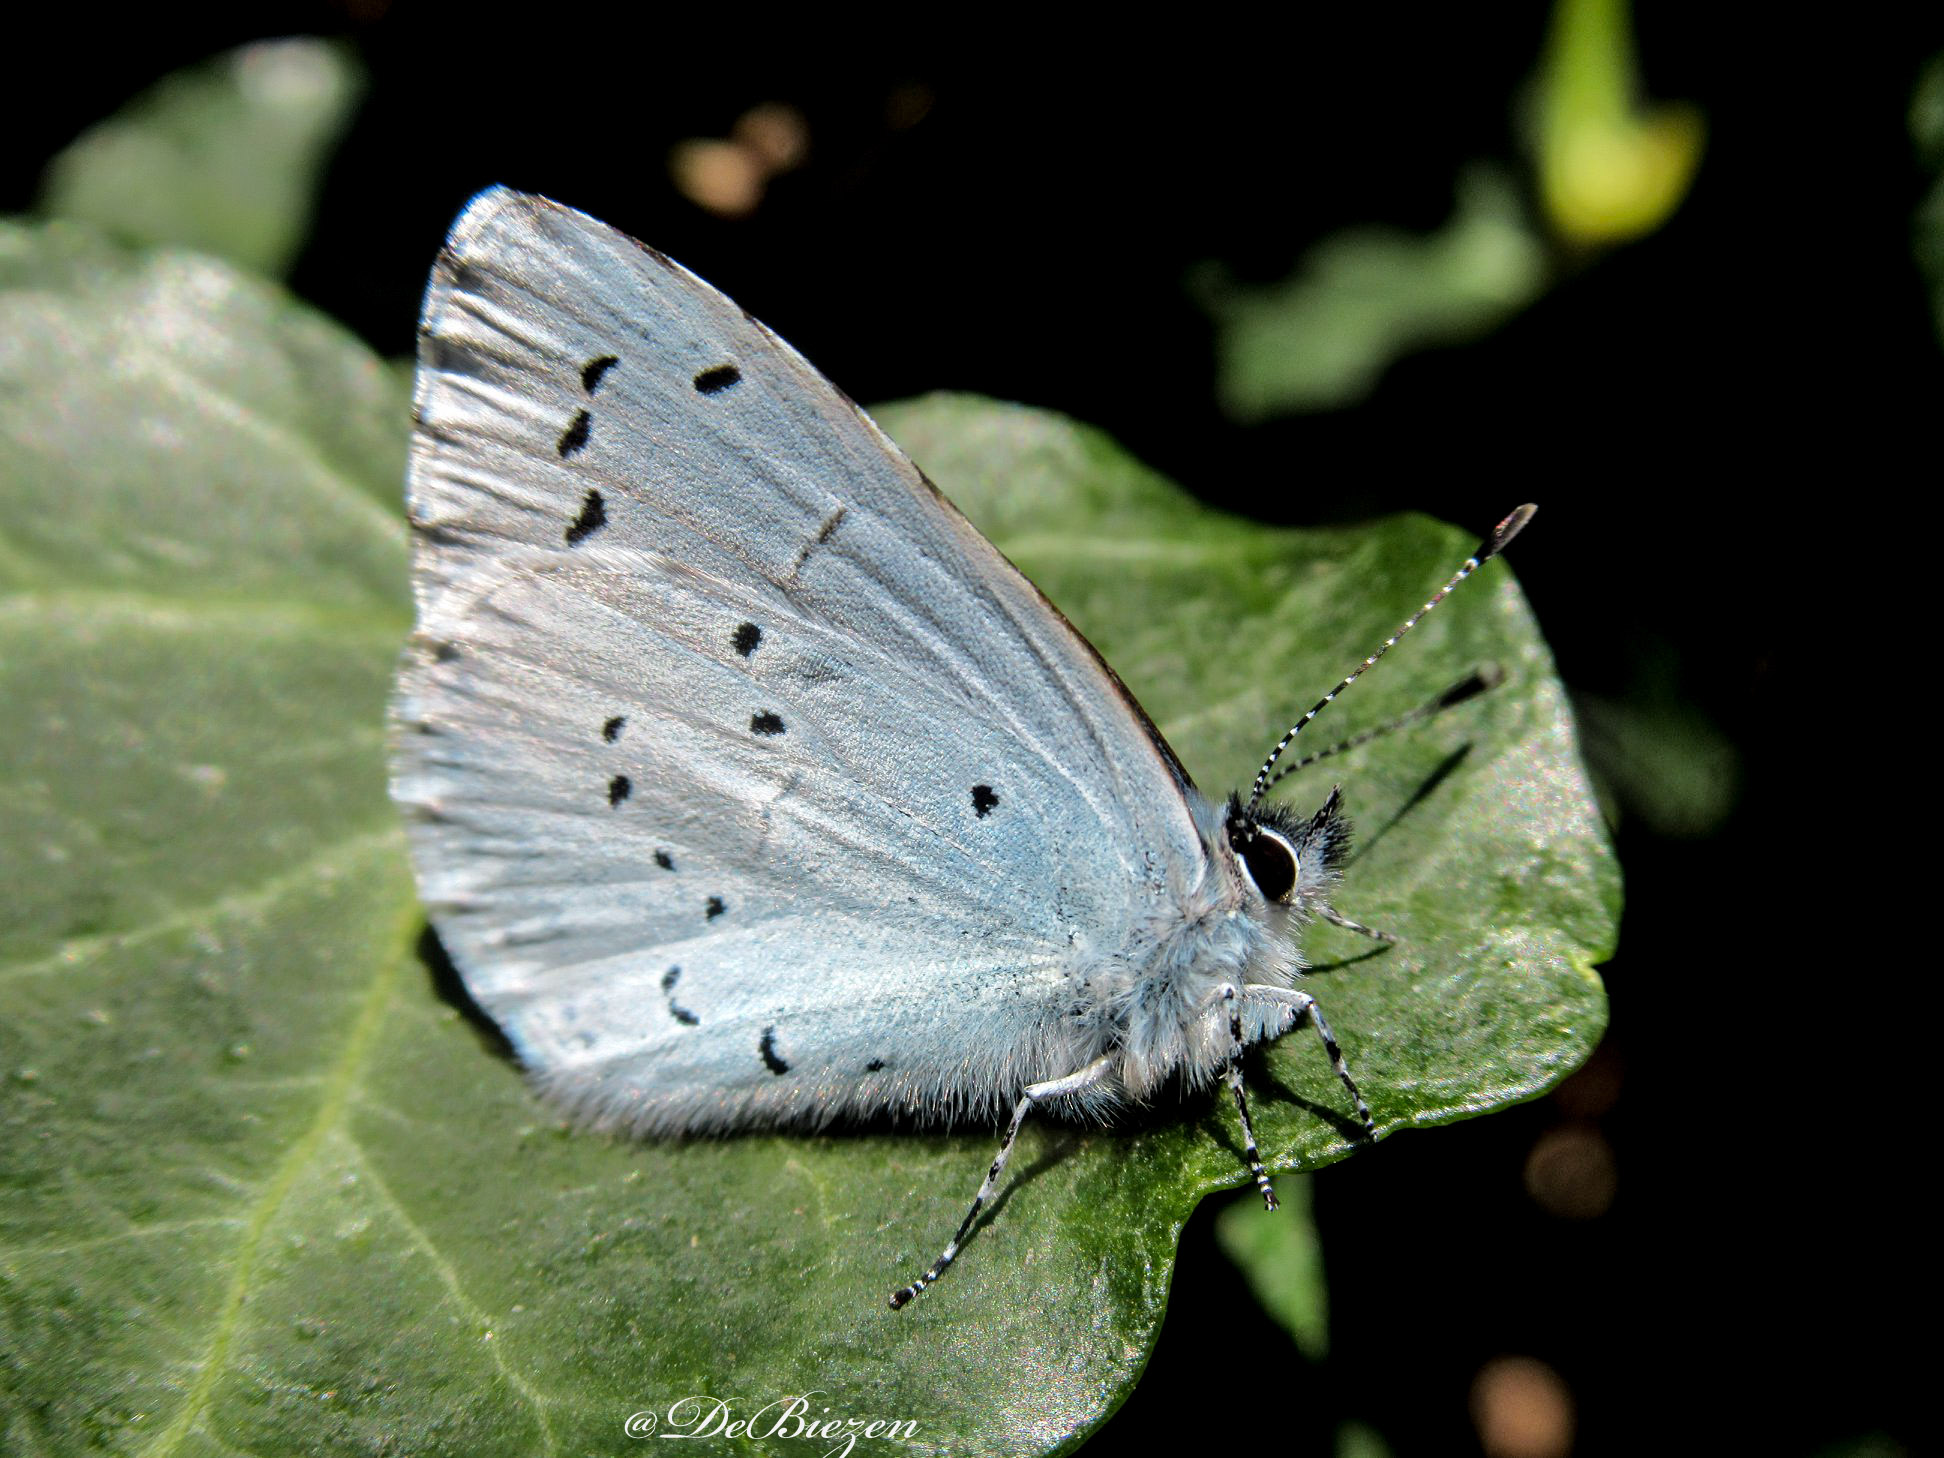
(899, 799)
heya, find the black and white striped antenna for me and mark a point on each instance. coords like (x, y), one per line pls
(1503, 533)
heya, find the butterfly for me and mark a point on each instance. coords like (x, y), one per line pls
(748, 786)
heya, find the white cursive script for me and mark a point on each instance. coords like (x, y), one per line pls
(786, 1417)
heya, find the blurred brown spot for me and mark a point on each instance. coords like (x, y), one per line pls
(906, 106)
(776, 134)
(1570, 1172)
(1522, 1409)
(1593, 1090)
(723, 177)
(728, 177)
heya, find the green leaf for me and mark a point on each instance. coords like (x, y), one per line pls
(1322, 338)
(1927, 137)
(1610, 169)
(225, 157)
(1282, 1261)
(1658, 757)
(266, 1191)
(1359, 1440)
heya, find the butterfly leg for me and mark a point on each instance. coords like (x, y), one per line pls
(1231, 997)
(1293, 1006)
(1035, 1092)
(1337, 918)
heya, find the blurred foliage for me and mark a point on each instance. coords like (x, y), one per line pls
(1927, 134)
(1607, 171)
(1866, 1445)
(1282, 1261)
(1324, 336)
(1359, 1440)
(224, 158)
(1654, 755)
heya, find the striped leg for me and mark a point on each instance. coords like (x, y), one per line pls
(1228, 994)
(1337, 918)
(1035, 1092)
(1294, 1005)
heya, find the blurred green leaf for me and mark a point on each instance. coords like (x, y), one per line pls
(1661, 759)
(1609, 168)
(1927, 114)
(266, 1191)
(1359, 1440)
(1282, 1260)
(1927, 134)
(1362, 298)
(1864, 1445)
(225, 157)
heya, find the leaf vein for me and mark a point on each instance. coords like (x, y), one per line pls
(191, 616)
(329, 860)
(225, 409)
(539, 1401)
(134, 1232)
(344, 1074)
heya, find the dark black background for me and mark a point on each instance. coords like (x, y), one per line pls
(1723, 423)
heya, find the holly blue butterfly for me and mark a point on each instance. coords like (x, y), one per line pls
(748, 786)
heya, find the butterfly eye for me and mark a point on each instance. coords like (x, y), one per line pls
(1271, 861)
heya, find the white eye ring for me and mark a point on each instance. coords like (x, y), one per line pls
(1273, 866)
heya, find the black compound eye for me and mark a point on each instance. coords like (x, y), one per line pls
(1271, 862)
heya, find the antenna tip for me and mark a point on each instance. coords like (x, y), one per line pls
(1506, 530)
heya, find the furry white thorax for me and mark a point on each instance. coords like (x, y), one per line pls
(1162, 993)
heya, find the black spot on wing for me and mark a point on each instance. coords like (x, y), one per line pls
(745, 639)
(681, 1014)
(983, 800)
(575, 435)
(772, 1060)
(618, 789)
(717, 378)
(664, 860)
(874, 1065)
(594, 369)
(765, 723)
(713, 909)
(446, 652)
(611, 730)
(593, 516)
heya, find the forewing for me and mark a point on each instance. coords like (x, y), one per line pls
(900, 796)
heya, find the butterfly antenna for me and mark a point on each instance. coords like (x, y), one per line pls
(1503, 533)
